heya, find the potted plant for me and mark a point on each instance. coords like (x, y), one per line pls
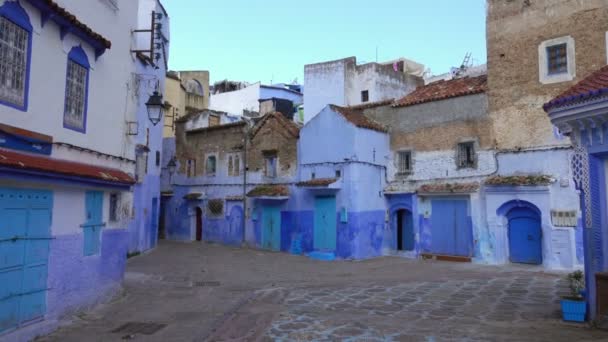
(574, 306)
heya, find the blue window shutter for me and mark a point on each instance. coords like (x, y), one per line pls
(93, 224)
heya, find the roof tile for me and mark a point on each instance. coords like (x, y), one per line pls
(269, 190)
(591, 87)
(24, 161)
(443, 89)
(357, 118)
(318, 182)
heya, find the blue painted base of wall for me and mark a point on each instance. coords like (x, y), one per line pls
(77, 282)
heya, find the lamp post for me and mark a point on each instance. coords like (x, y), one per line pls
(171, 165)
(155, 107)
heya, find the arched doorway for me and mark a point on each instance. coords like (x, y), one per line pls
(525, 236)
(405, 230)
(199, 224)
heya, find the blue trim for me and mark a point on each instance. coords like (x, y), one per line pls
(18, 142)
(13, 11)
(504, 209)
(78, 56)
(65, 26)
(47, 177)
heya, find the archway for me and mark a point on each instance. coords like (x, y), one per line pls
(404, 229)
(524, 231)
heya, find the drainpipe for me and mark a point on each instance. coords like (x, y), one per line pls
(245, 136)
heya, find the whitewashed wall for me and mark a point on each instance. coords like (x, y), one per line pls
(234, 102)
(324, 84)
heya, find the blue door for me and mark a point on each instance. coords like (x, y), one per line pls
(271, 223)
(525, 237)
(25, 233)
(451, 227)
(405, 230)
(94, 222)
(154, 225)
(325, 223)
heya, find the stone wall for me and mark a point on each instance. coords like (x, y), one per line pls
(515, 29)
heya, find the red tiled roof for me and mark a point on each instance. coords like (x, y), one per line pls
(593, 86)
(318, 182)
(442, 90)
(269, 190)
(22, 161)
(62, 12)
(289, 126)
(449, 187)
(357, 118)
(368, 105)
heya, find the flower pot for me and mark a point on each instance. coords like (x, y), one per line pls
(574, 310)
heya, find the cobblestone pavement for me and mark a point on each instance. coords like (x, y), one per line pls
(202, 292)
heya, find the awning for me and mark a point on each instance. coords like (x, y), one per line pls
(23, 164)
(320, 184)
(448, 188)
(270, 192)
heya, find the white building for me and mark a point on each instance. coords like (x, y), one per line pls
(71, 95)
(248, 99)
(345, 83)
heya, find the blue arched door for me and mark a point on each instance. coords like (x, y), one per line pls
(525, 236)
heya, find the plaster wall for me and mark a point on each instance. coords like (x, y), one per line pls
(270, 92)
(108, 78)
(175, 94)
(325, 83)
(235, 102)
(381, 81)
(515, 30)
(202, 77)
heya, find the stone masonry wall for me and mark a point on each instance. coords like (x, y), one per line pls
(515, 29)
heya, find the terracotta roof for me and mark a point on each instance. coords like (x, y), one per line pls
(443, 89)
(593, 86)
(357, 118)
(449, 187)
(22, 161)
(289, 125)
(217, 127)
(520, 180)
(63, 13)
(269, 190)
(318, 182)
(368, 105)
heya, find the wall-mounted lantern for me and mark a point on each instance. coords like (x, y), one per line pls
(155, 108)
(171, 165)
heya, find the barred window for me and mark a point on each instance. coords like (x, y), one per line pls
(75, 95)
(215, 207)
(230, 166)
(237, 165)
(466, 155)
(404, 162)
(557, 59)
(14, 47)
(114, 207)
(210, 166)
(270, 164)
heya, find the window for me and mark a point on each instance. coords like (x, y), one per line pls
(230, 166)
(364, 96)
(114, 207)
(141, 166)
(404, 162)
(313, 175)
(237, 165)
(190, 168)
(270, 164)
(215, 207)
(338, 173)
(557, 62)
(15, 52)
(210, 166)
(466, 155)
(157, 158)
(76, 89)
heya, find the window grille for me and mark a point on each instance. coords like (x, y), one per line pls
(557, 59)
(365, 96)
(215, 207)
(210, 165)
(75, 94)
(13, 60)
(466, 155)
(404, 162)
(114, 199)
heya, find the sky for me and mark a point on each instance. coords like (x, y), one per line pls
(271, 40)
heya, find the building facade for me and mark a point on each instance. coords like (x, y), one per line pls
(245, 100)
(345, 83)
(186, 92)
(65, 159)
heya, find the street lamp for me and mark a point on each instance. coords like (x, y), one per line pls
(155, 107)
(171, 165)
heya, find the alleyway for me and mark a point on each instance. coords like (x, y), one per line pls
(193, 292)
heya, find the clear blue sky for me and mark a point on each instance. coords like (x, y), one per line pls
(264, 40)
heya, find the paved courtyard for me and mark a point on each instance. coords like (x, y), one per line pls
(204, 292)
